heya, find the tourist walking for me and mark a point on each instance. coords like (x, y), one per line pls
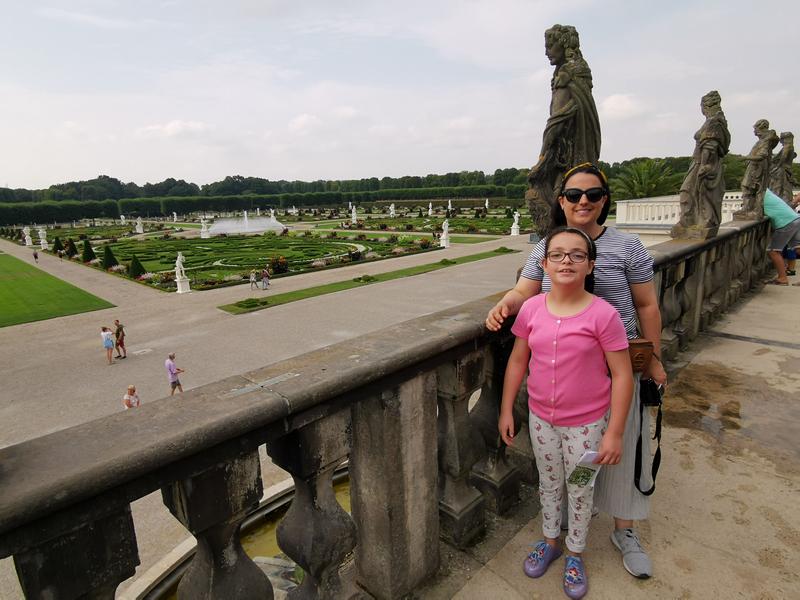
(172, 374)
(624, 278)
(561, 334)
(131, 398)
(265, 278)
(785, 235)
(108, 343)
(253, 280)
(36, 257)
(119, 339)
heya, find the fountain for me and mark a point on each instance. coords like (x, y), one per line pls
(245, 224)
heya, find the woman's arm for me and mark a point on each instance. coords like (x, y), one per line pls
(619, 363)
(515, 371)
(644, 298)
(512, 302)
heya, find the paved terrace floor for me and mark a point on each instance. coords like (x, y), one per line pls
(721, 519)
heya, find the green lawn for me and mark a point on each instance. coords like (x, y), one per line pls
(29, 294)
(253, 304)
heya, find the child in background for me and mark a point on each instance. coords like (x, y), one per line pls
(570, 340)
(131, 399)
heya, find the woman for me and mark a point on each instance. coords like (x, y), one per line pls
(108, 343)
(624, 278)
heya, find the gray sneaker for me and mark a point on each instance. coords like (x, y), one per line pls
(635, 559)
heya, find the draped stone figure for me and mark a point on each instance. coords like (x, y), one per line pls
(572, 133)
(704, 186)
(781, 177)
(756, 176)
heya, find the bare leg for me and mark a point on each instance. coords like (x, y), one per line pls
(780, 266)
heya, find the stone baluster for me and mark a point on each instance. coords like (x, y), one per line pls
(316, 532)
(497, 480)
(461, 506)
(212, 505)
(393, 487)
(85, 561)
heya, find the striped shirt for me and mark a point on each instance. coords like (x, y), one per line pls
(622, 260)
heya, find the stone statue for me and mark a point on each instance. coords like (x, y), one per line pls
(444, 240)
(174, 217)
(704, 186)
(26, 232)
(449, 205)
(353, 218)
(445, 228)
(139, 226)
(204, 234)
(486, 204)
(179, 271)
(430, 209)
(572, 133)
(391, 210)
(756, 176)
(781, 177)
(122, 219)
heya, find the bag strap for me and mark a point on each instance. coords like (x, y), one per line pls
(656, 457)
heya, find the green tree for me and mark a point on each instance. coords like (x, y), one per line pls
(645, 178)
(70, 248)
(109, 260)
(88, 254)
(135, 269)
(57, 245)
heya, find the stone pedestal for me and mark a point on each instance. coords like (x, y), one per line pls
(515, 230)
(183, 285)
(444, 241)
(693, 232)
(44, 245)
(139, 228)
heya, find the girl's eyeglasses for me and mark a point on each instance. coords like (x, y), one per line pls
(573, 195)
(576, 256)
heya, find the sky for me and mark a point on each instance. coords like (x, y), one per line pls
(317, 89)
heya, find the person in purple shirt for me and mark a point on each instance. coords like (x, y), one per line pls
(172, 374)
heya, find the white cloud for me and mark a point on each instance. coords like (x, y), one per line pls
(93, 20)
(303, 124)
(174, 129)
(619, 107)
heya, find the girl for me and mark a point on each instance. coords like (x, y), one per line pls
(570, 340)
(131, 399)
(108, 343)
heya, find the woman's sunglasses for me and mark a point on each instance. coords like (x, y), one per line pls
(573, 195)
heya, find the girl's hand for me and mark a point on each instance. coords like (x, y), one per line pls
(506, 427)
(610, 450)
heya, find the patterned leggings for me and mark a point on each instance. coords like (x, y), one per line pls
(557, 451)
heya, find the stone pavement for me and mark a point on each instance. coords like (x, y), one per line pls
(721, 521)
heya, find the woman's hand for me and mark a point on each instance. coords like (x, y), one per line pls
(497, 315)
(610, 450)
(505, 426)
(655, 371)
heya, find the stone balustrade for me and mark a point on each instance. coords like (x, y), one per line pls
(666, 210)
(425, 457)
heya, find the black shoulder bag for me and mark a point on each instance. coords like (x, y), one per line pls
(649, 395)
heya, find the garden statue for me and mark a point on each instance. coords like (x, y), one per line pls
(204, 234)
(180, 275)
(353, 219)
(781, 177)
(704, 185)
(272, 215)
(122, 219)
(756, 175)
(391, 210)
(258, 211)
(26, 231)
(572, 133)
(515, 225)
(43, 238)
(449, 205)
(444, 241)
(139, 226)
(174, 217)
(486, 204)
(430, 209)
